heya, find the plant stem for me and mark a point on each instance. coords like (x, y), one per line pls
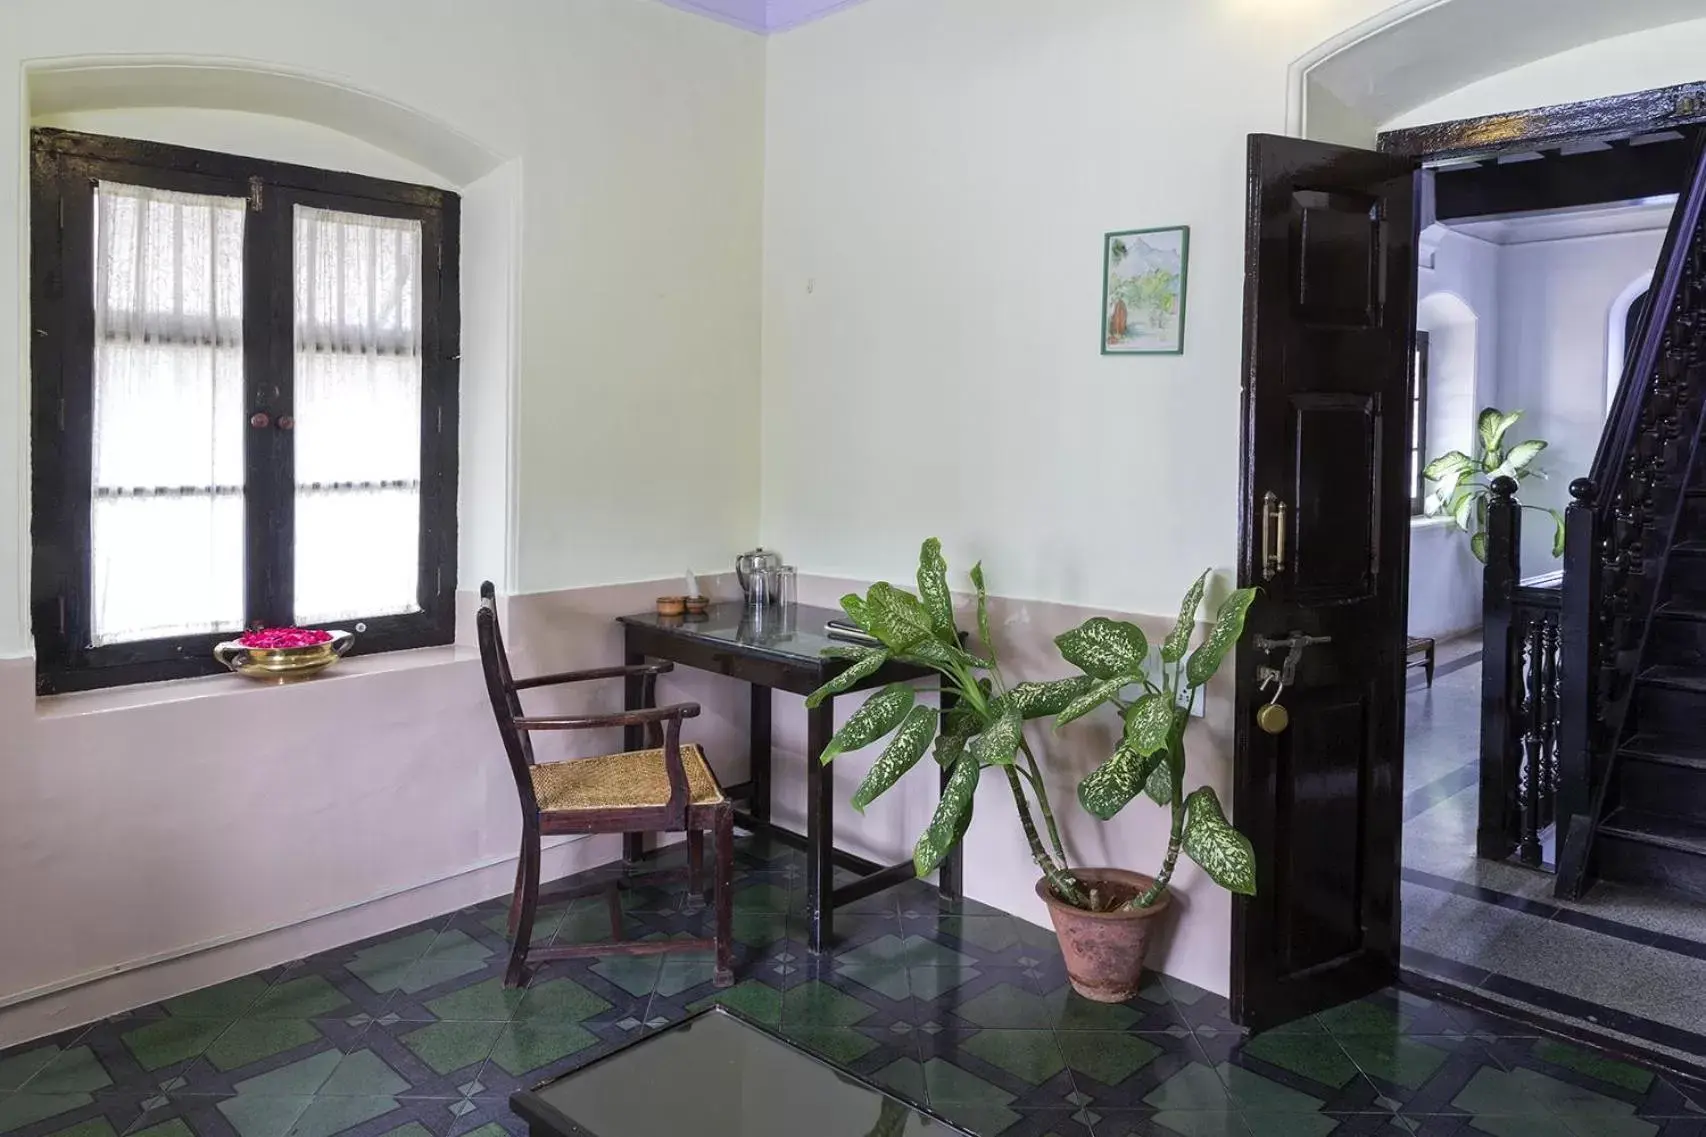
(1175, 838)
(1059, 879)
(1043, 802)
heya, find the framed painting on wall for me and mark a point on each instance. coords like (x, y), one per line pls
(1143, 291)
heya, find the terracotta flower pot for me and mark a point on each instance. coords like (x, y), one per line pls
(1104, 950)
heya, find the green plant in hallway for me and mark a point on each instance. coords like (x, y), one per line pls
(1461, 482)
(1102, 915)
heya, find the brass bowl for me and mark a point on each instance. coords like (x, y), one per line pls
(283, 664)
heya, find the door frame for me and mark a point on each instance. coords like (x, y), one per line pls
(1607, 119)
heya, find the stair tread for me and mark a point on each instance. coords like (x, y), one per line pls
(1681, 610)
(1676, 676)
(1671, 751)
(1656, 829)
(1694, 548)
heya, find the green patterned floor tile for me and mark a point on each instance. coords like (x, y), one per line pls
(1253, 1093)
(1365, 1018)
(1070, 1011)
(947, 1083)
(561, 1000)
(1108, 1058)
(1317, 1057)
(904, 951)
(526, 1046)
(1602, 1067)
(325, 1116)
(635, 974)
(297, 1079)
(1566, 1099)
(989, 1120)
(886, 979)
(905, 1076)
(1194, 1088)
(94, 1127)
(1290, 1124)
(260, 1115)
(991, 933)
(1007, 1006)
(166, 1042)
(928, 983)
(758, 929)
(173, 1127)
(309, 997)
(818, 1004)
(20, 1110)
(254, 1039)
(1398, 1059)
(457, 944)
(762, 898)
(842, 1046)
(1492, 1092)
(450, 1046)
(77, 1071)
(365, 1074)
(384, 965)
(222, 1001)
(685, 972)
(23, 1066)
(488, 1001)
(430, 973)
(759, 1002)
(1029, 1055)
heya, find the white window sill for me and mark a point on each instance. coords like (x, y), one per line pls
(231, 686)
(1440, 522)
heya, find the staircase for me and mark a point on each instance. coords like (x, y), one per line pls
(1654, 822)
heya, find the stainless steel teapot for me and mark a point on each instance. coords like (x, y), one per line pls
(759, 563)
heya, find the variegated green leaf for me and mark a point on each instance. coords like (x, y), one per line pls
(881, 713)
(900, 755)
(1557, 532)
(1463, 506)
(853, 652)
(1228, 629)
(1105, 648)
(1149, 724)
(1112, 785)
(1521, 457)
(1179, 640)
(897, 618)
(933, 589)
(1478, 546)
(854, 605)
(1091, 699)
(1223, 852)
(952, 816)
(1492, 423)
(860, 670)
(982, 608)
(1040, 700)
(949, 747)
(1451, 462)
(999, 742)
(1159, 784)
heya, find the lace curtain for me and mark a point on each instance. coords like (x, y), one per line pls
(358, 415)
(167, 510)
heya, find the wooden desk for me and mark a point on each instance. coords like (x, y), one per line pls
(783, 651)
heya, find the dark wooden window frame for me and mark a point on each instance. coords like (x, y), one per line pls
(1419, 416)
(64, 168)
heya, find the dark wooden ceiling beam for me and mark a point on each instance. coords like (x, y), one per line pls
(1556, 181)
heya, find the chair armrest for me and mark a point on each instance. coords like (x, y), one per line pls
(648, 669)
(674, 714)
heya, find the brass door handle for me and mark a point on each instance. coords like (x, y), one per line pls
(1276, 520)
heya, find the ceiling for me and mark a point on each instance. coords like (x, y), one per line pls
(762, 16)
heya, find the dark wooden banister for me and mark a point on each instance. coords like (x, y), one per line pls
(1621, 526)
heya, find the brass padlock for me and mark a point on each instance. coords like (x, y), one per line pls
(1273, 718)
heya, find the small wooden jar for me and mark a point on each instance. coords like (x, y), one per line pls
(672, 605)
(697, 605)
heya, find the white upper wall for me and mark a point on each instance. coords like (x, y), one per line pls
(636, 134)
(1659, 57)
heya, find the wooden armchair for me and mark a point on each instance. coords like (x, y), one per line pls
(666, 788)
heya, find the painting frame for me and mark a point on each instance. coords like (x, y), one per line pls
(1173, 344)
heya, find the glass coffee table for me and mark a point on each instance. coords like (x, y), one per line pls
(717, 1075)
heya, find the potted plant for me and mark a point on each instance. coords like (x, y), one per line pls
(1461, 483)
(1103, 916)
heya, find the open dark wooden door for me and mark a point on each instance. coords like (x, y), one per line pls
(1329, 320)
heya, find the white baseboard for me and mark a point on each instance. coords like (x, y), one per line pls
(91, 996)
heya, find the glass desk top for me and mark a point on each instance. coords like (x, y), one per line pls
(717, 1076)
(793, 635)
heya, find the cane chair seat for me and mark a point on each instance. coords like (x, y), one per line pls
(637, 779)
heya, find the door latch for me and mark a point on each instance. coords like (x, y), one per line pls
(1273, 718)
(1276, 521)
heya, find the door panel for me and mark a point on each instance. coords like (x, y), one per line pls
(1329, 315)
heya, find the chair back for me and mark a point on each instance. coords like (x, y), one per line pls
(506, 702)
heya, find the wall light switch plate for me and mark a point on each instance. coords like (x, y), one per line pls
(1152, 667)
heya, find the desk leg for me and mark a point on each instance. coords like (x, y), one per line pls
(950, 874)
(820, 827)
(633, 738)
(758, 733)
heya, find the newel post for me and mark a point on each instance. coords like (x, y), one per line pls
(1576, 687)
(1495, 836)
